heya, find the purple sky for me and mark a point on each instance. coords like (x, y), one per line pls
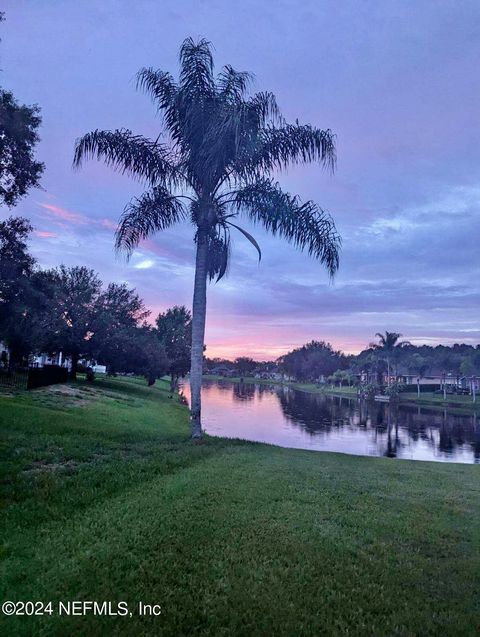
(397, 81)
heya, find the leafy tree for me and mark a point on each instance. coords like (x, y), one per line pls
(118, 311)
(418, 364)
(16, 264)
(19, 170)
(74, 312)
(137, 350)
(312, 360)
(25, 293)
(215, 162)
(18, 136)
(244, 365)
(341, 376)
(175, 332)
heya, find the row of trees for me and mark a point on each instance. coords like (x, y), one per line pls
(389, 356)
(69, 310)
(394, 356)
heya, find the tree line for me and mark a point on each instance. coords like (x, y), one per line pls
(388, 357)
(70, 310)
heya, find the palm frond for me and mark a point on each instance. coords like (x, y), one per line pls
(128, 153)
(303, 224)
(143, 216)
(159, 84)
(196, 61)
(231, 84)
(249, 237)
(278, 147)
(266, 107)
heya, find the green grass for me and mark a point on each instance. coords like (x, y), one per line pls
(106, 498)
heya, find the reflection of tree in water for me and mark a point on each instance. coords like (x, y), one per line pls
(244, 391)
(476, 439)
(316, 414)
(393, 440)
(393, 427)
(223, 386)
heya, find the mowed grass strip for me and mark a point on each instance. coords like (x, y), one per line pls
(106, 498)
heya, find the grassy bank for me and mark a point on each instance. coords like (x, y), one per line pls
(427, 399)
(106, 498)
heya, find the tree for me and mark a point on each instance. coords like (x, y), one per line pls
(214, 163)
(312, 360)
(25, 293)
(19, 170)
(74, 312)
(175, 332)
(418, 364)
(152, 361)
(136, 350)
(18, 136)
(118, 310)
(16, 264)
(244, 365)
(388, 347)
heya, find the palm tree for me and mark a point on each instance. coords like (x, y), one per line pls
(389, 344)
(212, 164)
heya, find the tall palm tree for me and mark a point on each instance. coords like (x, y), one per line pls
(211, 163)
(389, 345)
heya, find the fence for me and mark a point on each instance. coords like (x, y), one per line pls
(13, 380)
(46, 375)
(32, 377)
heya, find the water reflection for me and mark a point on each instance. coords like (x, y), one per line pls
(290, 418)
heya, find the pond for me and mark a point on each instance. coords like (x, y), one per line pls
(290, 418)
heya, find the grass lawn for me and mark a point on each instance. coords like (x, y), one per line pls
(105, 498)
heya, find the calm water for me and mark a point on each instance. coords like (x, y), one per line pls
(290, 418)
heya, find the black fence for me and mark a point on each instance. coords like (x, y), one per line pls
(13, 380)
(32, 377)
(46, 375)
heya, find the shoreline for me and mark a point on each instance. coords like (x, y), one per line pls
(457, 404)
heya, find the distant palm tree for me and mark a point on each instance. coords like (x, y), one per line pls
(218, 152)
(389, 344)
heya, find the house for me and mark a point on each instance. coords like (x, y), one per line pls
(46, 359)
(221, 370)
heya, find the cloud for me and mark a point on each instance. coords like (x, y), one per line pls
(144, 264)
(44, 234)
(63, 214)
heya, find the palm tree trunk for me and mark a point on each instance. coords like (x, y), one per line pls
(199, 310)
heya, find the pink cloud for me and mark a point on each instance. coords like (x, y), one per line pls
(62, 213)
(76, 218)
(44, 234)
(108, 224)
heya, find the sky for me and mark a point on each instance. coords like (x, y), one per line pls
(397, 82)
